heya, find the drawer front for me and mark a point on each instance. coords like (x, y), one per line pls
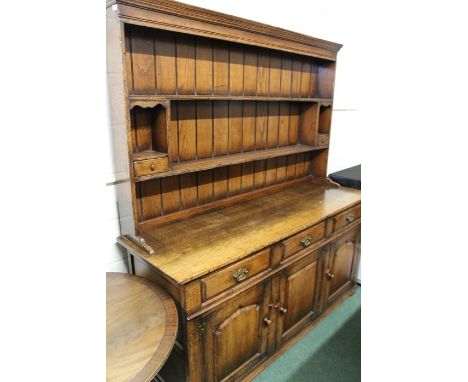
(323, 139)
(347, 217)
(151, 166)
(235, 274)
(303, 239)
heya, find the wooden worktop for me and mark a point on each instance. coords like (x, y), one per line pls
(188, 249)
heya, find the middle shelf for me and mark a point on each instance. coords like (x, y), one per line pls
(225, 160)
(175, 137)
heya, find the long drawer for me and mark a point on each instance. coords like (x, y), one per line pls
(235, 274)
(304, 239)
(347, 217)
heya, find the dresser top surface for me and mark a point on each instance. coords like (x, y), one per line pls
(191, 248)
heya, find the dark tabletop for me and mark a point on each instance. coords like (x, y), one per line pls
(350, 177)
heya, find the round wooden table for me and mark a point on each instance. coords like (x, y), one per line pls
(141, 328)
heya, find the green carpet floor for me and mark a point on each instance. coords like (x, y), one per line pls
(331, 352)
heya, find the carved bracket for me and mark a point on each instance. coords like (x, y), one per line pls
(141, 243)
(332, 183)
(146, 103)
(325, 182)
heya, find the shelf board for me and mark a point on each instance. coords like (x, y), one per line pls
(148, 155)
(227, 160)
(153, 100)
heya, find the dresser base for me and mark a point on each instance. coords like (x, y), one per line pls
(278, 353)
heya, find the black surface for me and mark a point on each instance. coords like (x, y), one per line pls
(350, 177)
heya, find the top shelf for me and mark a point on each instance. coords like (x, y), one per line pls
(152, 100)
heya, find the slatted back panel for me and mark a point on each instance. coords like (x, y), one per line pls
(204, 129)
(169, 63)
(164, 196)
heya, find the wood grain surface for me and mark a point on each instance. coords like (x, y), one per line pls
(198, 245)
(251, 239)
(176, 16)
(141, 328)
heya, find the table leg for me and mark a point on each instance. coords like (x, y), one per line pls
(131, 263)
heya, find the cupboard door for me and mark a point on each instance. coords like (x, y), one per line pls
(339, 274)
(299, 295)
(236, 335)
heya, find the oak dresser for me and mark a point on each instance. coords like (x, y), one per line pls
(221, 130)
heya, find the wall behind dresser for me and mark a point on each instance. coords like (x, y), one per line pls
(329, 21)
(116, 257)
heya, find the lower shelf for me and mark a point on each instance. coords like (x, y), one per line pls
(225, 160)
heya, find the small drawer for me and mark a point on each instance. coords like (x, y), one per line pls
(303, 239)
(347, 217)
(151, 166)
(235, 274)
(323, 139)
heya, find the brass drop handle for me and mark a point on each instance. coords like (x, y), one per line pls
(240, 274)
(306, 241)
(350, 217)
(267, 321)
(153, 167)
(283, 310)
(330, 275)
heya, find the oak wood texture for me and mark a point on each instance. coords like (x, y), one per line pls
(224, 125)
(234, 274)
(149, 128)
(151, 166)
(250, 375)
(143, 155)
(299, 296)
(293, 304)
(340, 270)
(303, 239)
(325, 119)
(323, 140)
(225, 160)
(141, 328)
(212, 128)
(347, 217)
(227, 353)
(220, 186)
(153, 100)
(200, 344)
(241, 229)
(246, 108)
(197, 308)
(164, 63)
(224, 199)
(282, 295)
(175, 16)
